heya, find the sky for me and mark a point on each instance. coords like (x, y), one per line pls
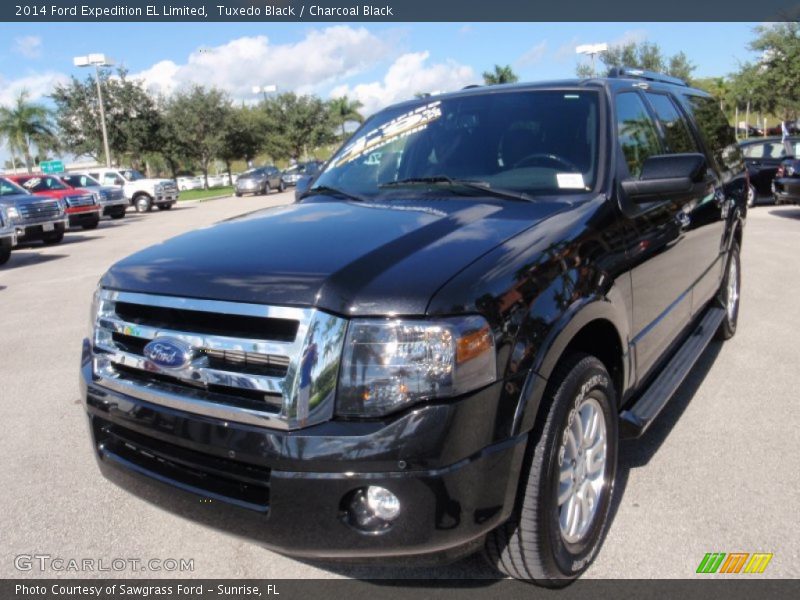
(377, 63)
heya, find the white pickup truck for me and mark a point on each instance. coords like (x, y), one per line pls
(142, 192)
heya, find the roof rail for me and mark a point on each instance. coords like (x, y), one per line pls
(630, 72)
(471, 86)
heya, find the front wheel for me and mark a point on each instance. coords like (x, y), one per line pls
(266, 189)
(91, 224)
(143, 203)
(118, 214)
(567, 482)
(50, 239)
(729, 295)
(165, 206)
(282, 187)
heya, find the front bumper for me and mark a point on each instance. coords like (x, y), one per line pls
(83, 215)
(164, 198)
(454, 473)
(28, 231)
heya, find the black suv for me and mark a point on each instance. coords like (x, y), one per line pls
(438, 348)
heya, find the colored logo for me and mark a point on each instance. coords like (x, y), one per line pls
(735, 562)
(169, 353)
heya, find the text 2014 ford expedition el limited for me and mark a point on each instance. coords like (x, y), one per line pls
(435, 351)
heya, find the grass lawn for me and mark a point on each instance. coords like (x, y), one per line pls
(202, 194)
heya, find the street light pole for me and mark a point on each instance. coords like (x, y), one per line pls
(98, 60)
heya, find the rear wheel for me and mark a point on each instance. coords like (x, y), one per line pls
(50, 239)
(266, 188)
(567, 483)
(751, 196)
(729, 295)
(143, 203)
(5, 251)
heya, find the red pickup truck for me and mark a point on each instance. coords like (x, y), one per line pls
(83, 209)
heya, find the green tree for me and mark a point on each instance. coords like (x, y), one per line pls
(344, 110)
(132, 118)
(719, 87)
(501, 74)
(197, 120)
(296, 124)
(771, 83)
(643, 55)
(242, 135)
(26, 126)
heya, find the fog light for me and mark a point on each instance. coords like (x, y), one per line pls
(383, 503)
(372, 509)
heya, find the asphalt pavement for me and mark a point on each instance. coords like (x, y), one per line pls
(719, 471)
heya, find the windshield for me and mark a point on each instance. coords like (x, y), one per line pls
(42, 184)
(253, 173)
(529, 142)
(131, 174)
(9, 188)
(80, 181)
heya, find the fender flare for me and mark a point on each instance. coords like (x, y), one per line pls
(611, 309)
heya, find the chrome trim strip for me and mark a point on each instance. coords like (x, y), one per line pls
(197, 374)
(210, 306)
(199, 340)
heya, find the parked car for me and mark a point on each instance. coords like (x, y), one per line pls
(83, 208)
(292, 175)
(113, 202)
(220, 180)
(763, 156)
(259, 181)
(33, 217)
(786, 185)
(142, 192)
(8, 235)
(440, 351)
(190, 183)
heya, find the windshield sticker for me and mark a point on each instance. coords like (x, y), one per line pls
(405, 124)
(31, 183)
(572, 181)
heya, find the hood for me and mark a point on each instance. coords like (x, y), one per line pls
(68, 193)
(345, 257)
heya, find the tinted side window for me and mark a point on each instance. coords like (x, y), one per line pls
(716, 133)
(676, 132)
(636, 132)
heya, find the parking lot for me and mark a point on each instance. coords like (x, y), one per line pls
(718, 472)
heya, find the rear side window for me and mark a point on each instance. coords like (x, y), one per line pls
(636, 132)
(716, 133)
(676, 132)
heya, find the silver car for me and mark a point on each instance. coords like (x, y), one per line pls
(111, 199)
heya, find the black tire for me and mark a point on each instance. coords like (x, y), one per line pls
(118, 214)
(50, 239)
(91, 224)
(727, 329)
(238, 194)
(266, 189)
(530, 546)
(165, 206)
(5, 252)
(282, 187)
(143, 203)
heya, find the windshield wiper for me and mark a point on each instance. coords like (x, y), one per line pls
(467, 183)
(326, 189)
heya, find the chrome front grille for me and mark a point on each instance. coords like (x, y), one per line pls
(76, 201)
(249, 363)
(40, 210)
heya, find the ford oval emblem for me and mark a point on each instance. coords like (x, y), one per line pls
(169, 353)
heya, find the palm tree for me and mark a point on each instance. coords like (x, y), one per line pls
(25, 124)
(500, 75)
(345, 110)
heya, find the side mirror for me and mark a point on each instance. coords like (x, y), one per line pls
(667, 176)
(302, 185)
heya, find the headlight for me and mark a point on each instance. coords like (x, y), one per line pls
(12, 212)
(97, 197)
(389, 365)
